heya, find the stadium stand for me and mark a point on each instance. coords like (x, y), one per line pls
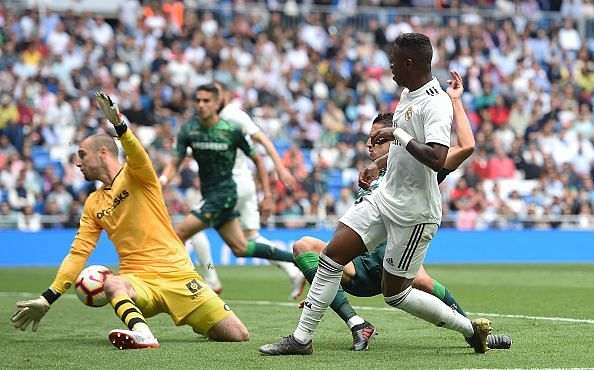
(312, 74)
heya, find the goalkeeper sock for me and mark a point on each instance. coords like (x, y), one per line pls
(263, 248)
(130, 315)
(446, 297)
(308, 264)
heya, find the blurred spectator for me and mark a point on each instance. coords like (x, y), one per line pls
(20, 197)
(500, 166)
(8, 217)
(28, 220)
(61, 198)
(313, 83)
(315, 183)
(73, 178)
(344, 201)
(8, 111)
(73, 215)
(460, 194)
(54, 221)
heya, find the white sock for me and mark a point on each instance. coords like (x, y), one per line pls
(201, 247)
(321, 293)
(429, 308)
(354, 321)
(142, 327)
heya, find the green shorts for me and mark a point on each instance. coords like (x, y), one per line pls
(217, 208)
(367, 281)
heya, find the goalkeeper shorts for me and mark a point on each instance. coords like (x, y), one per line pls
(180, 295)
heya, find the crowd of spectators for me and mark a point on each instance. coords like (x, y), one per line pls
(313, 82)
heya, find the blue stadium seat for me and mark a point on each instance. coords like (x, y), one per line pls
(307, 159)
(334, 190)
(58, 169)
(282, 146)
(41, 158)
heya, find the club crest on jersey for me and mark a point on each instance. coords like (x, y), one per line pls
(408, 114)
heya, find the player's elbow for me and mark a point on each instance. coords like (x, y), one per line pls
(468, 149)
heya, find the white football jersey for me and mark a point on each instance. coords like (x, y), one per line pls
(409, 194)
(233, 114)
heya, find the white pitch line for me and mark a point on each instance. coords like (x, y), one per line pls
(367, 308)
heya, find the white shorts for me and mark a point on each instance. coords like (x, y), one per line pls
(247, 202)
(406, 246)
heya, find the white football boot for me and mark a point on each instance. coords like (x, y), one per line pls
(130, 339)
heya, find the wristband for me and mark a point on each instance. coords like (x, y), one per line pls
(50, 296)
(121, 129)
(402, 136)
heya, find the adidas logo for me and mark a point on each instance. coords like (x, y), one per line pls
(390, 261)
(432, 91)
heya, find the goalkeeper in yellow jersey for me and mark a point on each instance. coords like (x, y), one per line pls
(156, 274)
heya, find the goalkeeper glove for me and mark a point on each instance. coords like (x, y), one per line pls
(30, 311)
(109, 108)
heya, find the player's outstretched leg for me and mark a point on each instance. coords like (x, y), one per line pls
(259, 246)
(139, 335)
(427, 307)
(263, 246)
(427, 284)
(306, 251)
(202, 249)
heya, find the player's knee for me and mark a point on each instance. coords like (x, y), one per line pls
(230, 330)
(301, 246)
(242, 334)
(113, 286)
(423, 282)
(239, 248)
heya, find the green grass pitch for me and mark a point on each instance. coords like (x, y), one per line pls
(534, 304)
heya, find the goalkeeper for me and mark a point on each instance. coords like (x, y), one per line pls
(362, 277)
(156, 274)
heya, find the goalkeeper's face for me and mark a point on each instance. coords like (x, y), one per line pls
(90, 160)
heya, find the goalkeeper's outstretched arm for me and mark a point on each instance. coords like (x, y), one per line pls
(135, 153)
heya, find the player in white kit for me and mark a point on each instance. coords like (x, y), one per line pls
(247, 198)
(405, 209)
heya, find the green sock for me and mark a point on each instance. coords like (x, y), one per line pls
(308, 264)
(261, 248)
(446, 297)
